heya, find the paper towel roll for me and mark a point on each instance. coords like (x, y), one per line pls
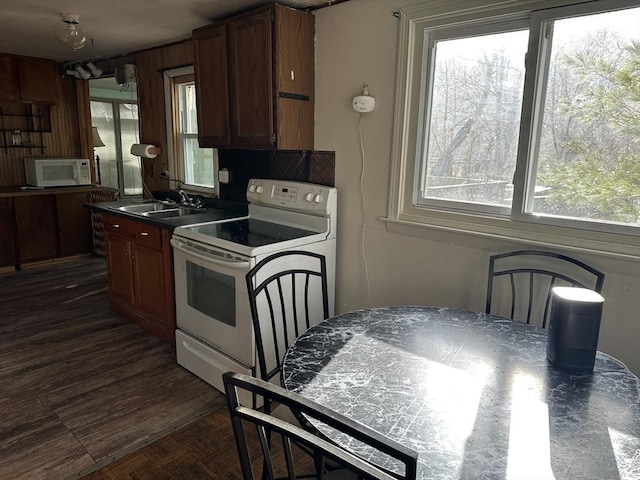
(145, 150)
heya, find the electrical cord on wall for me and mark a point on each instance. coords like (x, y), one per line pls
(165, 176)
(364, 212)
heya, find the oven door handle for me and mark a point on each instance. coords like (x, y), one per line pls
(178, 245)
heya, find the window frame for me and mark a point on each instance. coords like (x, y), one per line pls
(405, 216)
(175, 138)
(433, 35)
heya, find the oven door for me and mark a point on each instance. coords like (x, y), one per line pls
(211, 298)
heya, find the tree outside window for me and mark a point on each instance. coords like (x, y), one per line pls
(580, 147)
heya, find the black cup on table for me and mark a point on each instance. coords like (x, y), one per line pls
(574, 326)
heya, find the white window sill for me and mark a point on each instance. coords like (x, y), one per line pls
(494, 234)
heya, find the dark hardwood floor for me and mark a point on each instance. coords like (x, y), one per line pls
(205, 449)
(81, 387)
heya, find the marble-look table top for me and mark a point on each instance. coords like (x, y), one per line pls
(472, 393)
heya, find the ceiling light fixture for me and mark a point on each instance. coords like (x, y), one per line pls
(82, 72)
(71, 37)
(95, 71)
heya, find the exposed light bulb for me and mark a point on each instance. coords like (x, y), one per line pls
(71, 37)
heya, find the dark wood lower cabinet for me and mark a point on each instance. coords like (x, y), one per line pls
(120, 268)
(140, 272)
(74, 224)
(36, 227)
(44, 226)
(7, 234)
(149, 280)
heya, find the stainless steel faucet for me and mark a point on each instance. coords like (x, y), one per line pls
(187, 200)
(184, 198)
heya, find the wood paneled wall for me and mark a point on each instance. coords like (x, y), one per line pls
(150, 65)
(70, 134)
(65, 139)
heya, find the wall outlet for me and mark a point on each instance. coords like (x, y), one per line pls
(224, 176)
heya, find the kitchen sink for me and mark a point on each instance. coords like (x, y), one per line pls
(160, 209)
(174, 212)
(143, 208)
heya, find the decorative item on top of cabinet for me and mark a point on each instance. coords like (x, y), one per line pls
(140, 273)
(255, 80)
(28, 79)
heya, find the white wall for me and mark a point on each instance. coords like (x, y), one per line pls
(356, 42)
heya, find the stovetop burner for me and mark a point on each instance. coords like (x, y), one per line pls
(250, 232)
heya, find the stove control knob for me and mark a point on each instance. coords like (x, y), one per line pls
(259, 189)
(309, 197)
(252, 188)
(318, 198)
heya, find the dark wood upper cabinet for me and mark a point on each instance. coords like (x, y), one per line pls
(211, 72)
(39, 80)
(295, 80)
(9, 78)
(263, 63)
(27, 79)
(250, 67)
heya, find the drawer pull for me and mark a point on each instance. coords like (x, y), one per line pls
(144, 234)
(116, 225)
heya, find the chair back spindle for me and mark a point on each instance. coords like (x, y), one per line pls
(531, 275)
(275, 456)
(287, 295)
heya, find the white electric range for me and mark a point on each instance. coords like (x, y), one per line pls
(215, 330)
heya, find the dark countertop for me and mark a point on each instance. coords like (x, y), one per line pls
(472, 393)
(19, 192)
(216, 210)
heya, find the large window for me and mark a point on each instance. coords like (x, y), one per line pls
(474, 99)
(526, 116)
(192, 167)
(585, 158)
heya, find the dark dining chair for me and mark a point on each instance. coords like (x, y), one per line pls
(276, 457)
(520, 282)
(287, 294)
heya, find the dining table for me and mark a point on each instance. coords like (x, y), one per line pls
(472, 393)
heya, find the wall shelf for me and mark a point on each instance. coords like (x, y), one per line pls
(42, 147)
(32, 120)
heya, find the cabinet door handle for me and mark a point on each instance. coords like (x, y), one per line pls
(144, 234)
(116, 225)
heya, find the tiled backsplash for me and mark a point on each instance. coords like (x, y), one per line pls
(301, 166)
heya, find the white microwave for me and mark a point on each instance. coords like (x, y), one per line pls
(57, 172)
